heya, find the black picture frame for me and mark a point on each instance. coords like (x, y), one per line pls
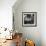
(29, 19)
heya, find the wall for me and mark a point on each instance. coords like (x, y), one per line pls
(43, 22)
(6, 13)
(29, 32)
(33, 33)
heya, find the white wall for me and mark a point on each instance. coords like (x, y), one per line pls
(6, 13)
(43, 22)
(34, 33)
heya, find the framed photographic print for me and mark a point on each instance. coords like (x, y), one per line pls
(29, 19)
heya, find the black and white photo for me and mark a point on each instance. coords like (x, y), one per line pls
(29, 18)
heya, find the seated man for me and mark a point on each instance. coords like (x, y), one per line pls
(18, 39)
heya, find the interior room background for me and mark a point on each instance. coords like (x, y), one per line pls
(36, 33)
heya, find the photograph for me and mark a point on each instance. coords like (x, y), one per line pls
(29, 19)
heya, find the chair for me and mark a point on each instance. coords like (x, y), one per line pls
(29, 43)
